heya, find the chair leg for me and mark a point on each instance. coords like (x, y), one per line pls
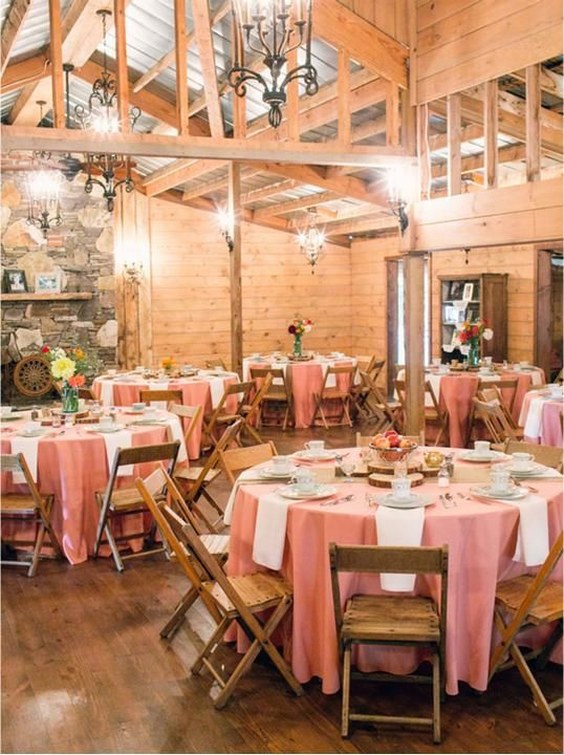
(345, 704)
(210, 647)
(36, 551)
(533, 685)
(179, 612)
(113, 547)
(436, 698)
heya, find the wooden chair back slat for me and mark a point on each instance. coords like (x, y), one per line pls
(238, 459)
(550, 456)
(148, 396)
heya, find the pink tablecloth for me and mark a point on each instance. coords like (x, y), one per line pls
(481, 540)
(195, 392)
(548, 429)
(73, 465)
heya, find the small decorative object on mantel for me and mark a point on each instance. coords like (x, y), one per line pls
(297, 328)
(469, 337)
(70, 369)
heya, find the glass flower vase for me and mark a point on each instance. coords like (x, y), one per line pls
(297, 350)
(473, 354)
(70, 398)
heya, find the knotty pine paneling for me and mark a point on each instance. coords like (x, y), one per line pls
(388, 15)
(190, 289)
(461, 43)
(519, 262)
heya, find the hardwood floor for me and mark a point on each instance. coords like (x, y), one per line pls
(84, 670)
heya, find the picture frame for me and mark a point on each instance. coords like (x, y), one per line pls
(15, 281)
(468, 292)
(456, 290)
(47, 283)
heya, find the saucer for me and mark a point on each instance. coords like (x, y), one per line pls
(530, 471)
(275, 472)
(511, 494)
(413, 501)
(33, 433)
(324, 455)
(481, 457)
(112, 429)
(317, 492)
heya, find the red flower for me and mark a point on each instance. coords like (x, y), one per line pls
(76, 381)
(45, 350)
(292, 329)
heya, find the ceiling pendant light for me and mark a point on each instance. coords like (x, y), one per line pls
(43, 188)
(102, 116)
(311, 239)
(273, 29)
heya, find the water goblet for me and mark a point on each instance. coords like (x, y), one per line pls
(347, 468)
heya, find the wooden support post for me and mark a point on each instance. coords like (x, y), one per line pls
(454, 114)
(532, 121)
(408, 123)
(415, 369)
(423, 151)
(56, 52)
(490, 134)
(181, 65)
(392, 116)
(343, 97)
(121, 65)
(239, 104)
(235, 269)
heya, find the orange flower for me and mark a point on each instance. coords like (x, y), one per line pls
(76, 381)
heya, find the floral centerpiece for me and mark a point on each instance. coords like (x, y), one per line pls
(297, 328)
(469, 336)
(167, 363)
(70, 368)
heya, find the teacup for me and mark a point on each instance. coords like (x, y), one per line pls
(401, 488)
(443, 369)
(31, 427)
(482, 447)
(314, 446)
(488, 361)
(150, 412)
(521, 461)
(81, 404)
(281, 464)
(524, 364)
(138, 406)
(304, 481)
(500, 481)
(111, 373)
(106, 421)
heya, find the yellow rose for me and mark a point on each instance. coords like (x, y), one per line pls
(63, 368)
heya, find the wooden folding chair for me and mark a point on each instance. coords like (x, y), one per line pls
(237, 459)
(32, 507)
(390, 620)
(376, 408)
(242, 599)
(523, 602)
(126, 501)
(251, 412)
(222, 416)
(278, 398)
(503, 391)
(194, 481)
(148, 396)
(215, 363)
(550, 456)
(493, 417)
(335, 394)
(190, 416)
(171, 515)
(434, 414)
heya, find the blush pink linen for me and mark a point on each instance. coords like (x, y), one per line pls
(481, 540)
(73, 466)
(550, 432)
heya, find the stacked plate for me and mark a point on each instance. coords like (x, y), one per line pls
(413, 501)
(531, 470)
(482, 456)
(510, 494)
(316, 492)
(325, 455)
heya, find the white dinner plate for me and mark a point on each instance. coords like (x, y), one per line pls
(34, 433)
(325, 455)
(320, 491)
(510, 495)
(532, 470)
(274, 472)
(112, 429)
(415, 501)
(482, 458)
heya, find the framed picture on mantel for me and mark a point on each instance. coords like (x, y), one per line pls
(47, 283)
(15, 282)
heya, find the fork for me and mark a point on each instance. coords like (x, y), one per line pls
(450, 499)
(337, 500)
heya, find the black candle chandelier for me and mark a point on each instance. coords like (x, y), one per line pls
(273, 29)
(102, 116)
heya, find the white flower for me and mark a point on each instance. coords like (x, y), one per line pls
(488, 334)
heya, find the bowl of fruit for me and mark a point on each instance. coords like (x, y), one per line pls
(390, 446)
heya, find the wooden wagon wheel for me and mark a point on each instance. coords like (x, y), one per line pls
(32, 376)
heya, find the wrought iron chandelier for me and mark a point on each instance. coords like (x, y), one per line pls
(311, 239)
(273, 29)
(101, 115)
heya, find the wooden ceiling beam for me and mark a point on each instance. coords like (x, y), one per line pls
(368, 45)
(303, 203)
(203, 37)
(181, 60)
(28, 71)
(550, 81)
(57, 89)
(374, 222)
(278, 187)
(467, 134)
(473, 163)
(179, 172)
(211, 187)
(11, 27)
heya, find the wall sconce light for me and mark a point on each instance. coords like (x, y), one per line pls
(226, 227)
(133, 272)
(272, 29)
(311, 239)
(396, 202)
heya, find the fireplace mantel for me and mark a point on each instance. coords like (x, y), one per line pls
(31, 296)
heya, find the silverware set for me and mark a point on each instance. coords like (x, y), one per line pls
(334, 502)
(448, 501)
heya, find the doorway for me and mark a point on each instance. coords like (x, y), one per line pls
(549, 331)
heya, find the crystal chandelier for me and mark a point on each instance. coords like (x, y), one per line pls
(273, 29)
(43, 188)
(101, 115)
(311, 239)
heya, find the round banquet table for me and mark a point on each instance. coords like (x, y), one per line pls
(72, 464)
(305, 379)
(481, 538)
(541, 418)
(204, 389)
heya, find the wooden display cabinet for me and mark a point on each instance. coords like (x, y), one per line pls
(473, 297)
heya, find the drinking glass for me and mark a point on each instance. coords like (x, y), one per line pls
(347, 468)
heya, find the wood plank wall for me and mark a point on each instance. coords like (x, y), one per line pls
(388, 15)
(190, 289)
(461, 43)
